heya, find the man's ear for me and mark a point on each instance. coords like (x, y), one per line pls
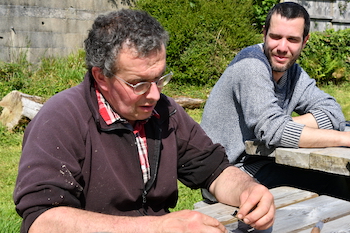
(100, 78)
(264, 33)
(305, 40)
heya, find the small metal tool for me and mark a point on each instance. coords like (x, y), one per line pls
(241, 220)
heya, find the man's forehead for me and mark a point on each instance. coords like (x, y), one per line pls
(295, 25)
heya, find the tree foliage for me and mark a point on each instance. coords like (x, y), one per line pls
(326, 56)
(204, 35)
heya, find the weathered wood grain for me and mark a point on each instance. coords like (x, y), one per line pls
(17, 105)
(253, 147)
(288, 195)
(304, 215)
(340, 225)
(189, 103)
(294, 157)
(283, 196)
(333, 159)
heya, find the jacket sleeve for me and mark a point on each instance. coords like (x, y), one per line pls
(200, 161)
(49, 171)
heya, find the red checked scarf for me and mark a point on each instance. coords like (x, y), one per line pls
(110, 116)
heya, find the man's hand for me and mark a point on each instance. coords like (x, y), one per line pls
(256, 203)
(189, 221)
(257, 207)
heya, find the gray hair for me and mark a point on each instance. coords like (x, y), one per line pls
(132, 28)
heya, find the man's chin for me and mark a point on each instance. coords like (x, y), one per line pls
(279, 68)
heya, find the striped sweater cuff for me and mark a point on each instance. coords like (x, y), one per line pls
(322, 119)
(291, 135)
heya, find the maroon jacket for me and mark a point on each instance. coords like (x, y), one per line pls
(72, 158)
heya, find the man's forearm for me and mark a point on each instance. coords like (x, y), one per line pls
(229, 185)
(314, 138)
(71, 220)
(235, 187)
(306, 119)
(67, 219)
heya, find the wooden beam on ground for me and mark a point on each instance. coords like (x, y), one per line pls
(17, 105)
(190, 103)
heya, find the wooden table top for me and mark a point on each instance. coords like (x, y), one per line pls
(296, 211)
(331, 159)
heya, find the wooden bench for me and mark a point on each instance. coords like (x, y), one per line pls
(297, 211)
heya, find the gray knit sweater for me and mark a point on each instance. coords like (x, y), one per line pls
(246, 103)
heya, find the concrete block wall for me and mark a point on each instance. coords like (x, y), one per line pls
(38, 28)
(327, 14)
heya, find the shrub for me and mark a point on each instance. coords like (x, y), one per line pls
(13, 76)
(326, 56)
(261, 8)
(56, 74)
(204, 35)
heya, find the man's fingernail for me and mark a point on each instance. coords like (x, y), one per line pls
(246, 221)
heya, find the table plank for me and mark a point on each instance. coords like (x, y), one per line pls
(340, 225)
(306, 214)
(220, 211)
(283, 196)
(302, 216)
(332, 159)
(294, 157)
(288, 195)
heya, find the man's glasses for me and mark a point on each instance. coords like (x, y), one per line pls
(142, 87)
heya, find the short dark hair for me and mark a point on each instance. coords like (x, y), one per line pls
(132, 28)
(289, 10)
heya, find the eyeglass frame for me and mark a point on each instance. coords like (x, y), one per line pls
(134, 86)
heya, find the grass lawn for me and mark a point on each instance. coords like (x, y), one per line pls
(10, 149)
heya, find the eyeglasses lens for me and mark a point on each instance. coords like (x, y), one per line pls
(142, 87)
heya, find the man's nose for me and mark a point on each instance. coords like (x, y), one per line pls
(283, 46)
(153, 92)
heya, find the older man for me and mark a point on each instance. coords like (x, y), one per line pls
(105, 156)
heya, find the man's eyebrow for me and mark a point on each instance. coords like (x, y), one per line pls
(274, 34)
(289, 37)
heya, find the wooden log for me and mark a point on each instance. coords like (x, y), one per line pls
(190, 103)
(17, 105)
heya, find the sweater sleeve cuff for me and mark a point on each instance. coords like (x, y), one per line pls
(322, 119)
(291, 135)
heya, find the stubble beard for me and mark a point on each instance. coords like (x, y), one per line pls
(279, 68)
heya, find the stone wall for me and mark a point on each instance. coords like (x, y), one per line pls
(327, 14)
(37, 28)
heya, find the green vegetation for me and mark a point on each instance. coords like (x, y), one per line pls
(261, 7)
(326, 56)
(10, 146)
(10, 142)
(205, 36)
